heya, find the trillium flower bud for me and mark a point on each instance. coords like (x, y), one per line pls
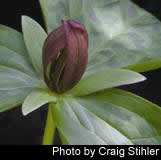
(65, 56)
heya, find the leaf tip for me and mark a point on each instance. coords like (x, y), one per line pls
(142, 78)
(24, 109)
(23, 17)
(24, 112)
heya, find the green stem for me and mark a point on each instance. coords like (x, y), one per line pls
(49, 128)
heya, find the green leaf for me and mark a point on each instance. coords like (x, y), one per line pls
(79, 126)
(34, 37)
(44, 12)
(143, 67)
(13, 51)
(133, 116)
(62, 138)
(126, 37)
(14, 79)
(12, 98)
(54, 12)
(11, 59)
(103, 79)
(133, 37)
(36, 99)
(13, 40)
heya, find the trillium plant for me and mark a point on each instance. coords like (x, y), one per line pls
(88, 48)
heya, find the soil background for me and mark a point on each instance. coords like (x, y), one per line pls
(28, 130)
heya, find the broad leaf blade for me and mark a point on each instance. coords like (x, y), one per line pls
(126, 35)
(14, 79)
(13, 51)
(12, 40)
(103, 79)
(54, 12)
(36, 99)
(79, 126)
(132, 36)
(14, 60)
(151, 112)
(13, 55)
(146, 66)
(63, 139)
(136, 118)
(34, 37)
(12, 98)
(44, 12)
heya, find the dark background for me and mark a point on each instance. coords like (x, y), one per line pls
(18, 129)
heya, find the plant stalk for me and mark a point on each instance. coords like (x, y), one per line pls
(49, 128)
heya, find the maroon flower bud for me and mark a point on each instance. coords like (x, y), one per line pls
(65, 56)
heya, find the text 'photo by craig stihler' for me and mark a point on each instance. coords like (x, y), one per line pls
(103, 151)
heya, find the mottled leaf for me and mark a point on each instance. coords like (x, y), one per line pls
(121, 35)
